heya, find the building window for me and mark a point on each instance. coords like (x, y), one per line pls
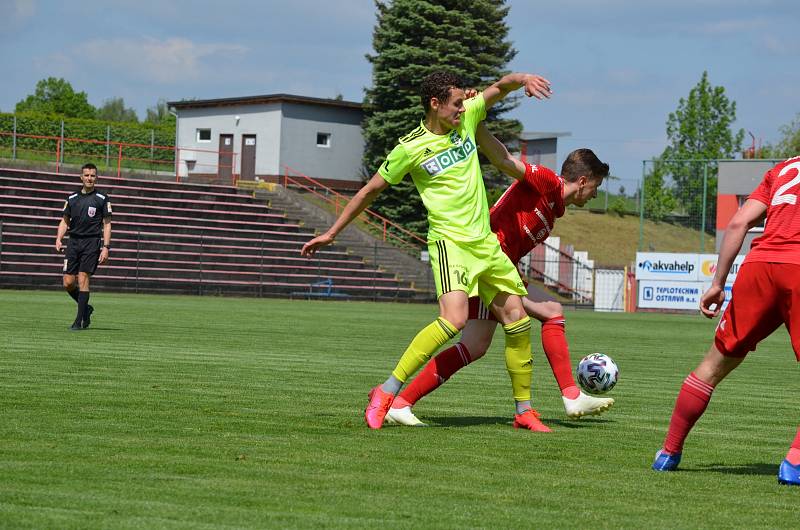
(203, 135)
(323, 139)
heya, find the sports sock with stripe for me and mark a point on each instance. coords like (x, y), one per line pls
(435, 373)
(428, 340)
(518, 357)
(690, 405)
(556, 349)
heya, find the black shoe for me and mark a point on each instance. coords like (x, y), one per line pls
(75, 327)
(87, 319)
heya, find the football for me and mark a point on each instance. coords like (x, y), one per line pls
(597, 373)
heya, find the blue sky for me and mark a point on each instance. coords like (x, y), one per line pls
(618, 67)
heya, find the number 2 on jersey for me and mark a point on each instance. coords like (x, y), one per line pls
(781, 197)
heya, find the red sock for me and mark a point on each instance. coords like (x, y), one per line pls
(690, 405)
(794, 452)
(436, 372)
(554, 342)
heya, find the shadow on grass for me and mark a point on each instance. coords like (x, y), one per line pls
(469, 421)
(747, 469)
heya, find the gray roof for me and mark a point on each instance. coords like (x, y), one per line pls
(268, 98)
(527, 135)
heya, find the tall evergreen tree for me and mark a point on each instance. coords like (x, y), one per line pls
(414, 38)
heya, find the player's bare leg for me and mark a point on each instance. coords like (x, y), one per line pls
(510, 312)
(453, 310)
(691, 403)
(475, 340)
(556, 349)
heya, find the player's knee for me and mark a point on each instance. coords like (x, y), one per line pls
(69, 283)
(552, 309)
(458, 321)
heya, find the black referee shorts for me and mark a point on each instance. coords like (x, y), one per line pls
(82, 256)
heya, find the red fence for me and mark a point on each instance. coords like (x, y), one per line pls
(119, 156)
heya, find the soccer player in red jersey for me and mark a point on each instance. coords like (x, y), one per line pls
(522, 218)
(765, 295)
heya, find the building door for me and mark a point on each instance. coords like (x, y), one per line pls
(225, 163)
(248, 157)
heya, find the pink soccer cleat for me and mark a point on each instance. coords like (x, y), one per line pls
(530, 420)
(379, 403)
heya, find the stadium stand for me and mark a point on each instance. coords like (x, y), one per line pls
(171, 237)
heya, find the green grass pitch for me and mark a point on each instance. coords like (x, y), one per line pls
(200, 412)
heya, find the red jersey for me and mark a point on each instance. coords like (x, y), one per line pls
(779, 189)
(524, 215)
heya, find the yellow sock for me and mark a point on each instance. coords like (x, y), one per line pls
(518, 357)
(427, 341)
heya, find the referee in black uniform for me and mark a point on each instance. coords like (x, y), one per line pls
(87, 217)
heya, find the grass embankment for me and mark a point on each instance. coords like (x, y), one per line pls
(613, 240)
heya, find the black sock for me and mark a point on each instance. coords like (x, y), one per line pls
(83, 301)
(74, 294)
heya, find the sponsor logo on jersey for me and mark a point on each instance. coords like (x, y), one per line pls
(427, 152)
(444, 160)
(91, 211)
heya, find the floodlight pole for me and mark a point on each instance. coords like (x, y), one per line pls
(641, 207)
(703, 220)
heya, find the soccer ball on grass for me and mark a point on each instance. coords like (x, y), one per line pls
(597, 373)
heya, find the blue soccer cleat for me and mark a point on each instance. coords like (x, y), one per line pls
(666, 462)
(789, 474)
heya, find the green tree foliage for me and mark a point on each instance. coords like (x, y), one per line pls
(34, 125)
(659, 200)
(789, 144)
(412, 39)
(56, 96)
(114, 110)
(159, 114)
(700, 128)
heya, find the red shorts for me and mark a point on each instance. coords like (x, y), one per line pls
(762, 299)
(477, 311)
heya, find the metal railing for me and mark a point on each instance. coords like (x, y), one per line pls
(115, 156)
(390, 231)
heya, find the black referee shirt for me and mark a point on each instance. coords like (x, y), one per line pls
(86, 212)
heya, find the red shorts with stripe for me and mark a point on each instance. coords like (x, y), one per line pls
(764, 296)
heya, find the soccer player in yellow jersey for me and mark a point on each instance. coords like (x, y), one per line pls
(442, 158)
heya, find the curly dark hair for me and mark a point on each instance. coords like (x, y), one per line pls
(583, 162)
(437, 85)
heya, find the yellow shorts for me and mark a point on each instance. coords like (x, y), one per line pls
(478, 268)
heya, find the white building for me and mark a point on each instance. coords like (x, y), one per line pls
(258, 136)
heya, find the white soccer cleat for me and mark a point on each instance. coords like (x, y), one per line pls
(404, 416)
(585, 405)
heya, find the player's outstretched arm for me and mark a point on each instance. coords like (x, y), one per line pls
(357, 204)
(748, 216)
(535, 86)
(497, 153)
